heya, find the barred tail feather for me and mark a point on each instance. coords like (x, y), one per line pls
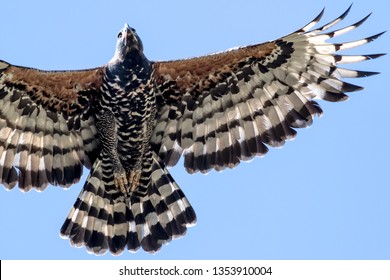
(103, 219)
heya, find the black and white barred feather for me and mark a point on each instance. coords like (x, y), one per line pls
(215, 111)
(220, 109)
(103, 219)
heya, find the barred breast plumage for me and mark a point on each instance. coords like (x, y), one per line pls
(142, 205)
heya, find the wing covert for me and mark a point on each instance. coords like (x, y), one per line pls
(220, 109)
(47, 130)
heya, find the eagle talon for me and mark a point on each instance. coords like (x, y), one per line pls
(121, 182)
(133, 179)
(129, 183)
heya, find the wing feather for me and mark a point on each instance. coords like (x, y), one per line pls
(47, 130)
(219, 109)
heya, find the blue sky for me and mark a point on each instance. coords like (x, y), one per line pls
(324, 195)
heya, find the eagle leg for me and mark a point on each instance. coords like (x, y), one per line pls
(133, 178)
(108, 135)
(120, 181)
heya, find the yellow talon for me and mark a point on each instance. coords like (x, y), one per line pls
(124, 182)
(133, 179)
(120, 181)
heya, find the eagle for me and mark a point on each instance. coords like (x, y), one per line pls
(131, 119)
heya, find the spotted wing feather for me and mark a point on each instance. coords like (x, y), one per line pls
(220, 109)
(47, 131)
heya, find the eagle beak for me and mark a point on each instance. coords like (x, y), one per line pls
(125, 30)
(130, 32)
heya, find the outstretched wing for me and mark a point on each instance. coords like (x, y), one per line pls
(220, 109)
(47, 131)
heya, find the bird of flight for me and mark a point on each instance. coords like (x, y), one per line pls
(130, 119)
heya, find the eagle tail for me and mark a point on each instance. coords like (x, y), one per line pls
(103, 219)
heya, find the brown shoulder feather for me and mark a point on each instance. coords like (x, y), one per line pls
(47, 130)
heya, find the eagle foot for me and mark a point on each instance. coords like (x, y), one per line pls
(120, 181)
(127, 183)
(133, 178)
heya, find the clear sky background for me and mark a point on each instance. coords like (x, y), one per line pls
(325, 195)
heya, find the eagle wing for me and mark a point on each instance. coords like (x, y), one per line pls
(219, 109)
(47, 129)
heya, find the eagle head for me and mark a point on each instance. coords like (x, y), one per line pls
(128, 43)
